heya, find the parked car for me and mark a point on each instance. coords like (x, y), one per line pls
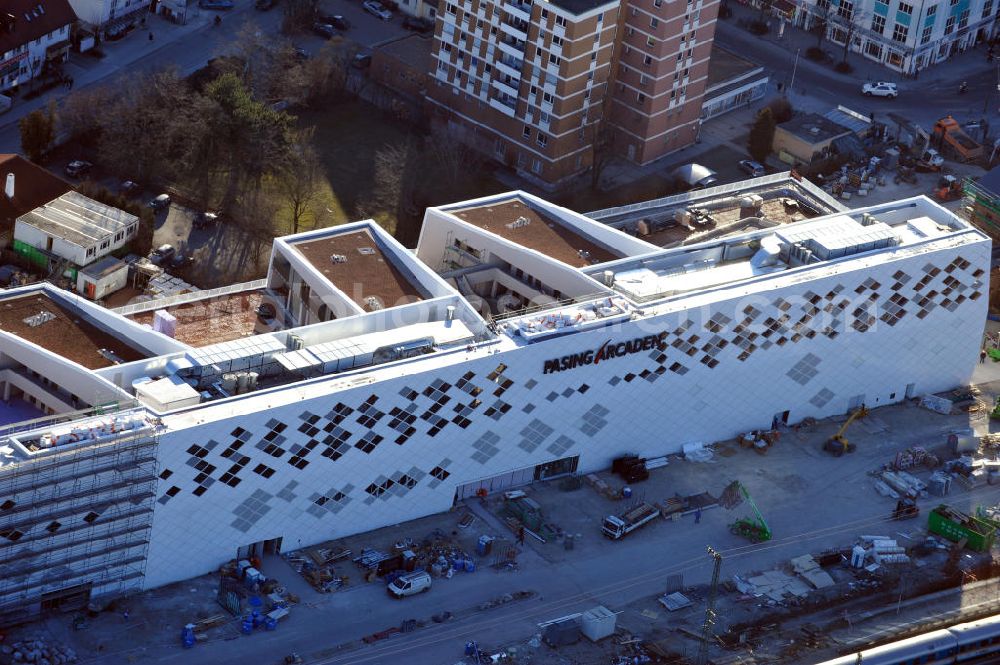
(880, 89)
(263, 5)
(205, 219)
(162, 255)
(336, 20)
(362, 61)
(376, 9)
(181, 261)
(216, 4)
(409, 584)
(160, 202)
(78, 168)
(418, 24)
(129, 187)
(324, 30)
(756, 169)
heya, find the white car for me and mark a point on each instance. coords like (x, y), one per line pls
(376, 9)
(880, 89)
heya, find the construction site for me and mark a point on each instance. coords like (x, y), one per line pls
(791, 545)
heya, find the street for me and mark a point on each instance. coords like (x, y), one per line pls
(817, 87)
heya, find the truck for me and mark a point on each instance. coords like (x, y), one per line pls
(617, 527)
(948, 131)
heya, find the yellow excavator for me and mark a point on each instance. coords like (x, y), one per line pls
(838, 444)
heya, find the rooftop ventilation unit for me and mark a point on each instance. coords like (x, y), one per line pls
(373, 304)
(338, 258)
(367, 251)
(519, 222)
(40, 318)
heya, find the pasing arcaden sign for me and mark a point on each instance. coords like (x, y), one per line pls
(607, 351)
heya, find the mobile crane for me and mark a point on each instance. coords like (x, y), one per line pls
(754, 528)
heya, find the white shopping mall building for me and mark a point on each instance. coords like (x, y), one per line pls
(364, 384)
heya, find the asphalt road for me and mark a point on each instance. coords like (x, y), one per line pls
(933, 95)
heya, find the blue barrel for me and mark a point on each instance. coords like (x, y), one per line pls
(247, 626)
(459, 564)
(626, 492)
(255, 602)
(270, 623)
(481, 547)
(187, 638)
(470, 648)
(470, 566)
(258, 619)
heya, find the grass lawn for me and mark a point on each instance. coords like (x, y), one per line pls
(347, 136)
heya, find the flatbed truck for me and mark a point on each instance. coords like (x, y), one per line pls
(617, 527)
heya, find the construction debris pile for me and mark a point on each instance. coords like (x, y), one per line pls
(879, 550)
(316, 565)
(39, 652)
(781, 587)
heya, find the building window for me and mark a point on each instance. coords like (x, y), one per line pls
(641, 98)
(899, 33)
(647, 60)
(545, 13)
(654, 22)
(906, 9)
(650, 41)
(554, 59)
(878, 24)
(845, 10)
(547, 97)
(557, 40)
(963, 20)
(543, 140)
(926, 37)
(527, 132)
(987, 8)
(536, 166)
(451, 9)
(949, 25)
(932, 10)
(560, 21)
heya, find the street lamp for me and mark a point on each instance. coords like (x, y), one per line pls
(795, 66)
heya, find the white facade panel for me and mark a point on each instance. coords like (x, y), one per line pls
(653, 401)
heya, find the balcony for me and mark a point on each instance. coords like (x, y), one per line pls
(518, 10)
(512, 48)
(507, 70)
(517, 34)
(502, 107)
(506, 88)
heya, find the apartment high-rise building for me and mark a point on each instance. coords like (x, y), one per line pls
(548, 87)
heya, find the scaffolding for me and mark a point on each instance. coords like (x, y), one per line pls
(75, 521)
(984, 207)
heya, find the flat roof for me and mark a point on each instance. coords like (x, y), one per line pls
(515, 220)
(39, 319)
(725, 65)
(355, 263)
(414, 50)
(77, 219)
(785, 200)
(813, 128)
(578, 7)
(103, 267)
(212, 320)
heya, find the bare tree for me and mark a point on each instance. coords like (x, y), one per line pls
(823, 13)
(454, 158)
(299, 181)
(849, 21)
(394, 184)
(82, 114)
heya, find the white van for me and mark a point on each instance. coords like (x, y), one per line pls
(409, 584)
